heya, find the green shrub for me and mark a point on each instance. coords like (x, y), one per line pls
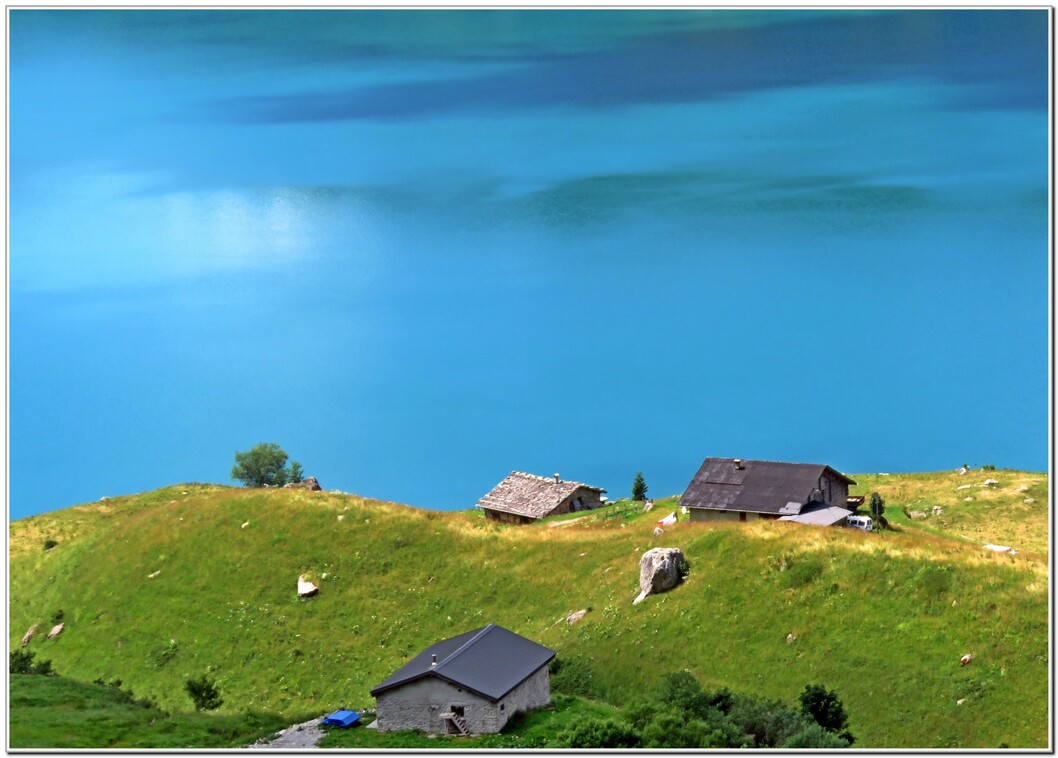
(21, 662)
(49, 544)
(815, 736)
(204, 693)
(826, 709)
(599, 732)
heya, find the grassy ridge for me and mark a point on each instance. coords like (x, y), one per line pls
(882, 619)
(59, 713)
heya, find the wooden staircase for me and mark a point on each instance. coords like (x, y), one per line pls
(459, 721)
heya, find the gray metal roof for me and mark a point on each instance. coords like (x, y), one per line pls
(490, 661)
(755, 486)
(819, 514)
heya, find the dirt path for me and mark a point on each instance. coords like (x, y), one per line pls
(297, 737)
(554, 524)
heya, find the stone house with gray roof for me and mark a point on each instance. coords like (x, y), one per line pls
(472, 683)
(733, 489)
(523, 498)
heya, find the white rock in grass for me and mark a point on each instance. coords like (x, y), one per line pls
(990, 482)
(56, 631)
(306, 588)
(244, 524)
(29, 635)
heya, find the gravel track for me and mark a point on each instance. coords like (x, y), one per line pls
(303, 736)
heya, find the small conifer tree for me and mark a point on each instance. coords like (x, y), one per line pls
(639, 487)
(877, 506)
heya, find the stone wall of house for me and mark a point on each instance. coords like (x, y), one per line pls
(589, 500)
(418, 705)
(506, 518)
(533, 693)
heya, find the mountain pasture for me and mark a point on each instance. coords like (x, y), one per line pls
(161, 587)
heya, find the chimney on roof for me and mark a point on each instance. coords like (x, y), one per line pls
(556, 478)
(433, 660)
(738, 464)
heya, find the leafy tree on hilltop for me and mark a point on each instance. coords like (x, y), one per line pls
(297, 474)
(639, 487)
(264, 465)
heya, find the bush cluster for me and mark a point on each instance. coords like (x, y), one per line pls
(204, 693)
(682, 714)
(21, 662)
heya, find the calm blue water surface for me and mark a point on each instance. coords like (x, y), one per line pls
(421, 249)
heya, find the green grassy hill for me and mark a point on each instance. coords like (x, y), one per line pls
(160, 587)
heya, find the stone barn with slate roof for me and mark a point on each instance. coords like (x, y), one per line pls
(470, 684)
(523, 498)
(732, 489)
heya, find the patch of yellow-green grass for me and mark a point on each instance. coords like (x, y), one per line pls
(1013, 512)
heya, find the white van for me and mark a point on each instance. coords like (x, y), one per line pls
(860, 522)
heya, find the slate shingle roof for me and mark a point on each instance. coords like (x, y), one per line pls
(530, 495)
(490, 661)
(756, 487)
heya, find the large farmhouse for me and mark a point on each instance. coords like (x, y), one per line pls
(732, 489)
(523, 498)
(470, 684)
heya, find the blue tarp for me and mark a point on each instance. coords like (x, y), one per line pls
(342, 718)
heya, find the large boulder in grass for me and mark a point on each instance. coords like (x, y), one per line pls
(309, 483)
(29, 635)
(659, 571)
(56, 631)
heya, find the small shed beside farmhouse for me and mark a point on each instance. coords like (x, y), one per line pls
(733, 489)
(469, 684)
(523, 498)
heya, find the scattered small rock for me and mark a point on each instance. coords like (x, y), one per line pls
(790, 638)
(658, 531)
(648, 507)
(341, 516)
(954, 603)
(960, 701)
(306, 588)
(962, 471)
(244, 524)
(967, 499)
(990, 482)
(937, 510)
(103, 498)
(151, 576)
(964, 486)
(918, 514)
(1029, 500)
(56, 631)
(576, 616)
(1024, 488)
(966, 659)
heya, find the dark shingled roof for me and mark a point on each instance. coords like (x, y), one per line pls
(530, 495)
(756, 487)
(490, 661)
